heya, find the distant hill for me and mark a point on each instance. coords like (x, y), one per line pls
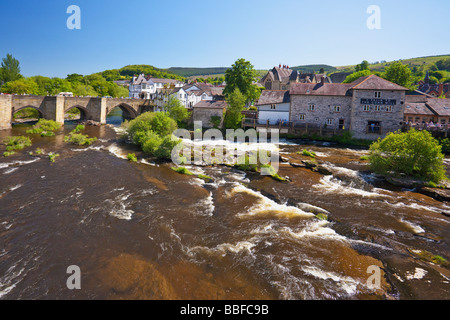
(191, 72)
(315, 68)
(380, 66)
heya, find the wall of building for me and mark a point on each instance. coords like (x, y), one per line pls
(389, 121)
(281, 112)
(323, 109)
(5, 111)
(205, 114)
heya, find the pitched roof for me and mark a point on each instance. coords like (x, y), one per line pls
(439, 106)
(273, 97)
(374, 82)
(417, 108)
(211, 104)
(318, 89)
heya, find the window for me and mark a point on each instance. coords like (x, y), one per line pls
(377, 94)
(337, 108)
(301, 117)
(389, 109)
(330, 122)
(374, 127)
(273, 106)
(366, 108)
(312, 107)
(377, 108)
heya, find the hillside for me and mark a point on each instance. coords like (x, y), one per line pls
(379, 66)
(191, 72)
(314, 68)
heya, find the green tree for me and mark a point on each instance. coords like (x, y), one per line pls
(443, 64)
(414, 153)
(21, 86)
(242, 76)
(362, 66)
(235, 105)
(75, 77)
(10, 70)
(400, 74)
(356, 75)
(177, 111)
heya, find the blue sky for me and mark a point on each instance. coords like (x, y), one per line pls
(206, 33)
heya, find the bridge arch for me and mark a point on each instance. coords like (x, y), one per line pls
(84, 112)
(15, 110)
(128, 112)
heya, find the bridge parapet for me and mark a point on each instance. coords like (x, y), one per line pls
(54, 108)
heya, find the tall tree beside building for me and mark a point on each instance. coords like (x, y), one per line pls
(235, 105)
(242, 76)
(400, 74)
(10, 70)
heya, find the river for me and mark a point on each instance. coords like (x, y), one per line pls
(143, 231)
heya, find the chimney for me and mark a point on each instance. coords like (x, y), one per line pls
(280, 66)
(322, 81)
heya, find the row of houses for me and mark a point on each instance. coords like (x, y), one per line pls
(369, 107)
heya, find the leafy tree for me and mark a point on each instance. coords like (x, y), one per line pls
(400, 74)
(322, 70)
(10, 70)
(414, 153)
(446, 80)
(74, 77)
(177, 111)
(438, 74)
(242, 76)
(356, 75)
(362, 66)
(443, 64)
(433, 80)
(235, 105)
(21, 86)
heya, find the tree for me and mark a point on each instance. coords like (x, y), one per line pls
(400, 74)
(235, 105)
(74, 77)
(413, 153)
(177, 111)
(356, 75)
(322, 71)
(242, 76)
(21, 86)
(10, 70)
(443, 64)
(362, 66)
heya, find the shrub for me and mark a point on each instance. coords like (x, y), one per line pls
(8, 153)
(153, 133)
(132, 157)
(17, 143)
(45, 128)
(182, 170)
(364, 158)
(204, 177)
(272, 172)
(79, 139)
(309, 153)
(78, 128)
(413, 153)
(52, 156)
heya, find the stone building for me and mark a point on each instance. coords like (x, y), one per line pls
(205, 110)
(370, 107)
(424, 109)
(282, 77)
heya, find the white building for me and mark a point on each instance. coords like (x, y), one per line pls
(143, 87)
(273, 106)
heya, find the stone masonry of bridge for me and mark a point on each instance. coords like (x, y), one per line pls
(54, 108)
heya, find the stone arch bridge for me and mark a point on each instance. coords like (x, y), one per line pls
(54, 108)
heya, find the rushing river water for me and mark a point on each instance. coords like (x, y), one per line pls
(142, 231)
